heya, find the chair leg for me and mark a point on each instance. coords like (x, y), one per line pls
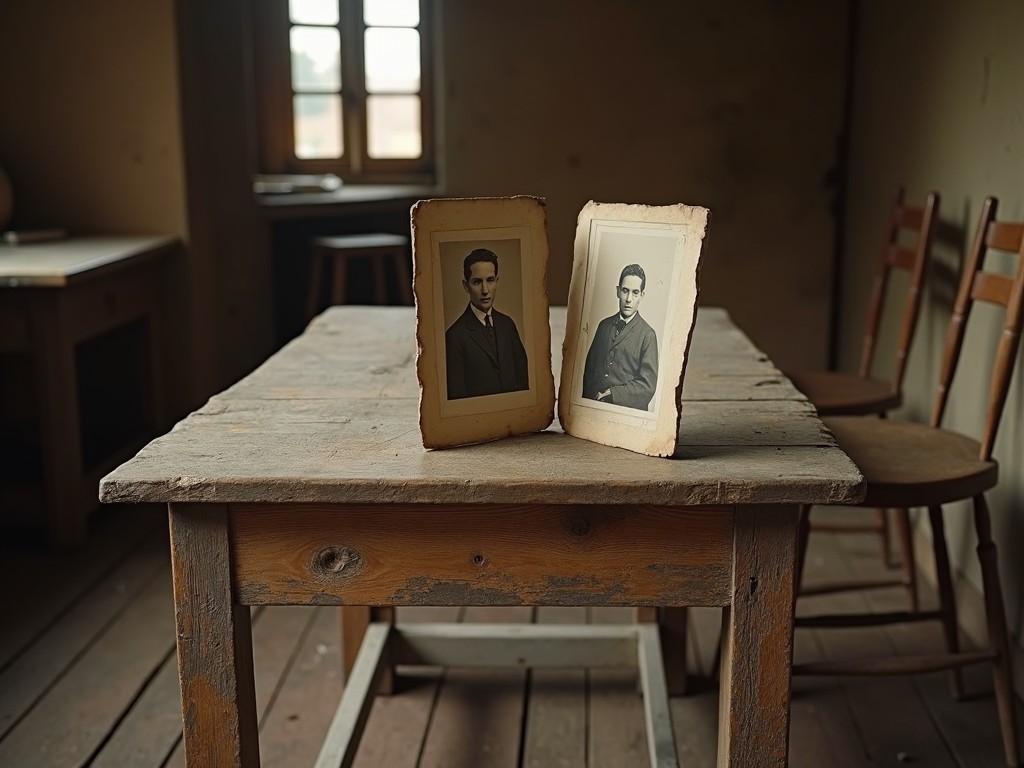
(380, 282)
(884, 544)
(995, 614)
(947, 599)
(338, 280)
(906, 537)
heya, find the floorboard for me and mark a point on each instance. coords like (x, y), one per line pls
(556, 716)
(396, 730)
(88, 679)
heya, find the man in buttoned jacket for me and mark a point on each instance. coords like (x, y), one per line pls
(483, 352)
(622, 362)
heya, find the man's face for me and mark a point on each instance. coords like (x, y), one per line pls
(629, 295)
(482, 285)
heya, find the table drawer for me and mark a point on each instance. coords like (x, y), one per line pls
(104, 303)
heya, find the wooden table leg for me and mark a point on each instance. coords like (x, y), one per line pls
(757, 639)
(218, 697)
(57, 382)
(354, 621)
(672, 630)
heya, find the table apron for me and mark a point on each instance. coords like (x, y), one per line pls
(481, 555)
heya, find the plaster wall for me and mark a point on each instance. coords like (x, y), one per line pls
(90, 129)
(939, 105)
(736, 108)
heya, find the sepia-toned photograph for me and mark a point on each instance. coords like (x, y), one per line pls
(632, 304)
(484, 340)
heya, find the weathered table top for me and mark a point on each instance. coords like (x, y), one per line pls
(332, 418)
(59, 262)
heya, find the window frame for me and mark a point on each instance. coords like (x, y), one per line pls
(274, 106)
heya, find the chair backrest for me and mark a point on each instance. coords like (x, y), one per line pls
(919, 220)
(1004, 290)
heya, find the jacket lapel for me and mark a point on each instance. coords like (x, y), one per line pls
(630, 326)
(476, 332)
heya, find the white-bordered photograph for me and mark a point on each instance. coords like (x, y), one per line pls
(483, 336)
(632, 305)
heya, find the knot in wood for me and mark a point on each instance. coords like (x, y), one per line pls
(335, 560)
(479, 560)
(579, 526)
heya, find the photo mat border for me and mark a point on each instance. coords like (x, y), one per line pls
(448, 423)
(653, 432)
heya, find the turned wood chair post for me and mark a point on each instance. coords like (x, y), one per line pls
(995, 615)
(947, 596)
(879, 287)
(999, 289)
(906, 463)
(912, 308)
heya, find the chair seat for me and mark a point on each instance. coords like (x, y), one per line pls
(845, 394)
(906, 464)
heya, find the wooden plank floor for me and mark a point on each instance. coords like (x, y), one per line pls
(88, 678)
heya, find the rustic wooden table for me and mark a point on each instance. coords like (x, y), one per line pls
(306, 483)
(54, 296)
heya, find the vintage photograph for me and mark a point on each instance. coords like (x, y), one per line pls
(484, 351)
(632, 304)
(484, 340)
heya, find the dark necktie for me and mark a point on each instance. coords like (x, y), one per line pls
(619, 325)
(489, 330)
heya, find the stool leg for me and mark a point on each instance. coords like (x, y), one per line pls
(316, 276)
(404, 276)
(380, 284)
(338, 279)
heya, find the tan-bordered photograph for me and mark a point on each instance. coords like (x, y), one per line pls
(632, 305)
(483, 336)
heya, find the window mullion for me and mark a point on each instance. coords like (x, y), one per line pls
(353, 82)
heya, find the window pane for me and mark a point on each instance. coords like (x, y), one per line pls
(316, 59)
(391, 13)
(393, 127)
(318, 131)
(313, 11)
(392, 60)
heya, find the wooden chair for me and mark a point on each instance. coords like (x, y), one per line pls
(907, 464)
(835, 393)
(338, 250)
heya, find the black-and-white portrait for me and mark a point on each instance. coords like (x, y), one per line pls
(484, 351)
(482, 329)
(622, 362)
(632, 304)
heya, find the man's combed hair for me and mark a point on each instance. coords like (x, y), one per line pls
(630, 269)
(479, 254)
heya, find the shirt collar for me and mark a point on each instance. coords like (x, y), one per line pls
(481, 316)
(626, 319)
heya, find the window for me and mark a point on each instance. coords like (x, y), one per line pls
(345, 87)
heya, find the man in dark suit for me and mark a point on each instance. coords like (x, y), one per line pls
(483, 352)
(622, 362)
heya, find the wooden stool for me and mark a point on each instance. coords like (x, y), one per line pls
(340, 248)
